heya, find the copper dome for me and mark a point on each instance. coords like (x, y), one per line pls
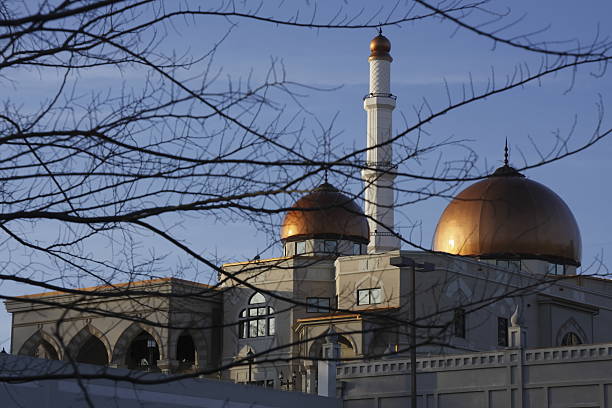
(325, 213)
(508, 216)
(380, 46)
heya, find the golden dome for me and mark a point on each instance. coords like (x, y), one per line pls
(380, 46)
(325, 213)
(507, 216)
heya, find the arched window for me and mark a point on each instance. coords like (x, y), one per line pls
(571, 339)
(257, 321)
(257, 298)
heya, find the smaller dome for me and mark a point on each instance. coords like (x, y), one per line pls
(380, 46)
(325, 213)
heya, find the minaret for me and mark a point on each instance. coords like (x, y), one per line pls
(379, 105)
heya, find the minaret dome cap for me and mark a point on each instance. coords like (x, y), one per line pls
(380, 46)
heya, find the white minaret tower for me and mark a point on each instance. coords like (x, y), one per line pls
(379, 105)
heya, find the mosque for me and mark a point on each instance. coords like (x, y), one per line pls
(499, 283)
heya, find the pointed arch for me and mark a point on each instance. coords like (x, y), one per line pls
(199, 341)
(41, 339)
(257, 298)
(122, 345)
(84, 336)
(571, 326)
(348, 347)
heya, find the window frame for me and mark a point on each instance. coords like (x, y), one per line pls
(315, 306)
(370, 297)
(357, 249)
(330, 250)
(556, 269)
(502, 331)
(256, 321)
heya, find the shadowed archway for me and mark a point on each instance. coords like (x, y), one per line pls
(122, 351)
(89, 346)
(41, 345)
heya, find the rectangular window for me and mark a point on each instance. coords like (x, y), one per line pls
(300, 247)
(242, 330)
(252, 328)
(356, 249)
(502, 331)
(261, 328)
(318, 305)
(330, 247)
(459, 323)
(363, 297)
(271, 326)
(375, 296)
(556, 269)
(370, 296)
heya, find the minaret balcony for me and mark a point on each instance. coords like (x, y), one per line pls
(379, 95)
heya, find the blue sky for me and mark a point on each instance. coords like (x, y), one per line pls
(425, 55)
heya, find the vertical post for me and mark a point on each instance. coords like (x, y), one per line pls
(413, 380)
(327, 366)
(250, 358)
(402, 262)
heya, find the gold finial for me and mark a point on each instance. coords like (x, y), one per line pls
(506, 153)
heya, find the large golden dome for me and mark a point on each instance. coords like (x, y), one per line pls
(508, 216)
(325, 213)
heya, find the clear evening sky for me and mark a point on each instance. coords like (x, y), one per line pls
(425, 54)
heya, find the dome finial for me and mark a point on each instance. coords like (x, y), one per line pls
(380, 30)
(506, 153)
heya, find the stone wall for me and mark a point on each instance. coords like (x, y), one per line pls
(577, 376)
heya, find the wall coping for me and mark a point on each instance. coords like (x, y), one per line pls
(395, 366)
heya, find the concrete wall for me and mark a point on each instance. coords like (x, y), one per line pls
(578, 376)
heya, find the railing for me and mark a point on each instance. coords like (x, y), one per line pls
(377, 94)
